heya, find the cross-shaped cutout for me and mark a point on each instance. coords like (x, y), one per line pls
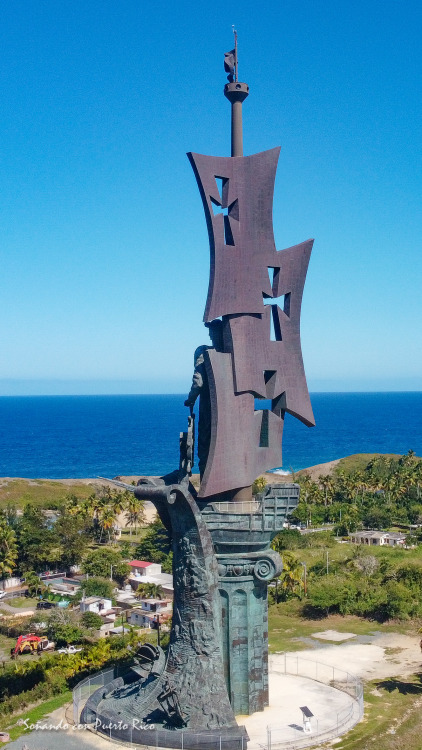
(217, 208)
(229, 212)
(283, 302)
(280, 301)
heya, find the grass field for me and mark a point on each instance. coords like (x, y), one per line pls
(33, 715)
(358, 461)
(392, 717)
(40, 492)
(21, 602)
(286, 626)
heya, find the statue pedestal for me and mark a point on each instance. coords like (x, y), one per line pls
(241, 534)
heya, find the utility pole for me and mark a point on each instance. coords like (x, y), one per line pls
(304, 578)
(158, 629)
(327, 560)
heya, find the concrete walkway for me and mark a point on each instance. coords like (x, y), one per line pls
(284, 717)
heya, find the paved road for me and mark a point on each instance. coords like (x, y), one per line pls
(7, 609)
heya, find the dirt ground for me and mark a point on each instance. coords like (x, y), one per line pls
(369, 657)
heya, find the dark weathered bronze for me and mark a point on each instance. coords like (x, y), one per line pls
(246, 380)
(247, 272)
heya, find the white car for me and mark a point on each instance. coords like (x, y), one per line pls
(2, 594)
(69, 650)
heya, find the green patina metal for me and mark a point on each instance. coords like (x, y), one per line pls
(246, 564)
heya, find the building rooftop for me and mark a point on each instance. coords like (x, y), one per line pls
(140, 563)
(373, 534)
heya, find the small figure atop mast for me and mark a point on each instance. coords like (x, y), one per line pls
(236, 93)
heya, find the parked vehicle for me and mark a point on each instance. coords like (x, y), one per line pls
(69, 650)
(46, 605)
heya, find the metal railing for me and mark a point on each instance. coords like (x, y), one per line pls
(277, 737)
(287, 738)
(87, 687)
(243, 506)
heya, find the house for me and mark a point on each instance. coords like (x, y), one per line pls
(146, 572)
(379, 538)
(144, 568)
(97, 604)
(145, 615)
(68, 586)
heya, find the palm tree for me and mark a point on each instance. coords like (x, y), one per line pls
(290, 581)
(34, 583)
(149, 591)
(326, 482)
(118, 501)
(107, 519)
(8, 549)
(134, 512)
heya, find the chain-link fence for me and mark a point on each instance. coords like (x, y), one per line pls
(318, 729)
(87, 687)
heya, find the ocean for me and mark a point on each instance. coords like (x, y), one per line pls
(60, 437)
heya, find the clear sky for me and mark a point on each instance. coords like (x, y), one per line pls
(104, 249)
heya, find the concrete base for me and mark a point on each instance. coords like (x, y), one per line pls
(284, 716)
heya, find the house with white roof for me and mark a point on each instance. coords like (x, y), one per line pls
(146, 572)
(98, 604)
(379, 538)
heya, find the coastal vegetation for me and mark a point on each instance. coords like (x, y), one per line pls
(378, 583)
(360, 493)
(65, 531)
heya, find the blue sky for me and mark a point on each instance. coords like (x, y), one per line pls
(104, 249)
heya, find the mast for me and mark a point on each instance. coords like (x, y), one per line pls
(236, 92)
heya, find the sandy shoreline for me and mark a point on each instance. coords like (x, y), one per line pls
(272, 478)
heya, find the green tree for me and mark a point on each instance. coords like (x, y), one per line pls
(377, 517)
(62, 629)
(34, 583)
(98, 562)
(92, 620)
(156, 544)
(259, 485)
(73, 537)
(399, 601)
(95, 587)
(106, 563)
(126, 550)
(326, 594)
(38, 545)
(287, 539)
(8, 548)
(291, 580)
